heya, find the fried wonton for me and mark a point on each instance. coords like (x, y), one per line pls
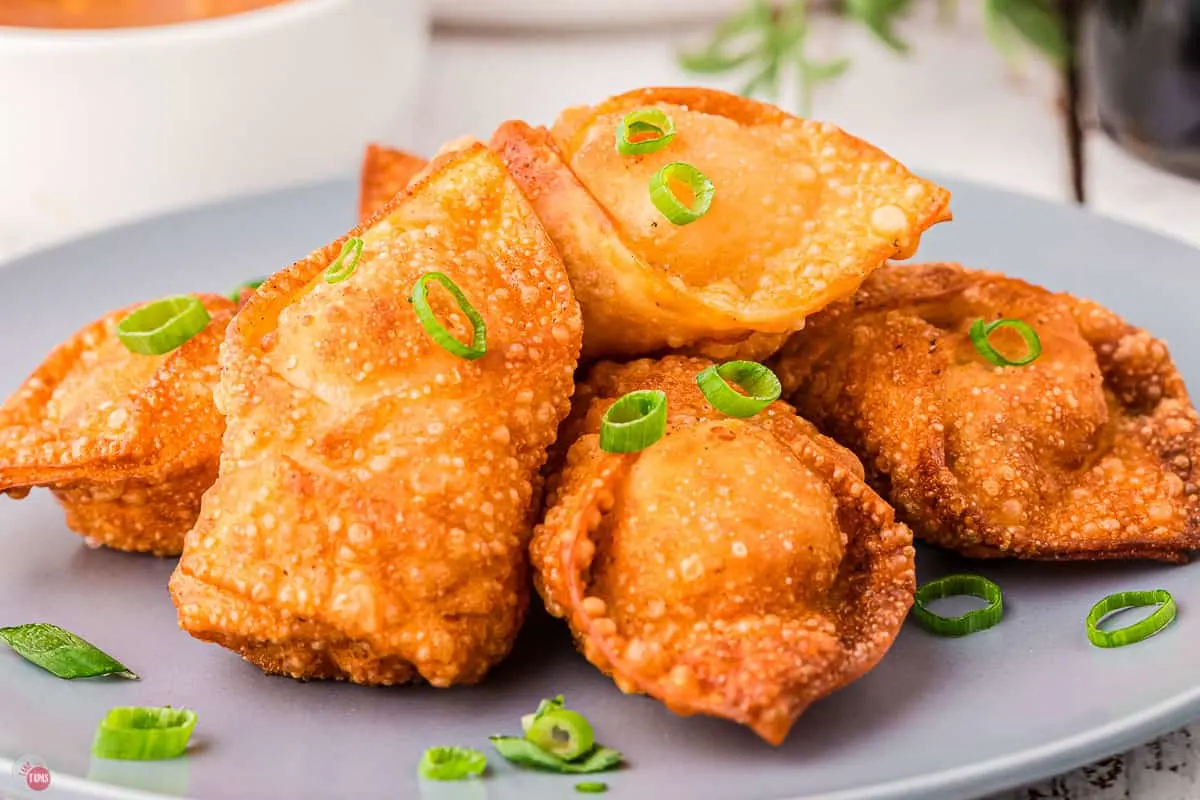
(737, 567)
(374, 505)
(801, 213)
(385, 173)
(127, 442)
(1091, 451)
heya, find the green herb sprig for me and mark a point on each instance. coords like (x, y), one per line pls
(767, 40)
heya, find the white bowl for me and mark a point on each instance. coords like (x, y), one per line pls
(102, 126)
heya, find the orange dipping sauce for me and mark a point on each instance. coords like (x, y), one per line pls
(118, 13)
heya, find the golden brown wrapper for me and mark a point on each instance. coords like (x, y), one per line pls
(739, 568)
(385, 173)
(801, 214)
(1089, 452)
(127, 442)
(373, 509)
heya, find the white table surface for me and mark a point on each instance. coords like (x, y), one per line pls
(951, 107)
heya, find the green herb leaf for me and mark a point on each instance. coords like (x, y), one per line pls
(1000, 31)
(451, 763)
(827, 71)
(61, 652)
(1039, 22)
(879, 16)
(524, 752)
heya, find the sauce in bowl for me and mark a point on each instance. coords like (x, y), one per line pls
(119, 13)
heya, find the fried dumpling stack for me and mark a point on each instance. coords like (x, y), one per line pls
(800, 212)
(1091, 450)
(736, 567)
(374, 504)
(127, 442)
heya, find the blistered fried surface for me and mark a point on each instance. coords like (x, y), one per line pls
(373, 509)
(1089, 452)
(737, 568)
(385, 173)
(802, 213)
(127, 442)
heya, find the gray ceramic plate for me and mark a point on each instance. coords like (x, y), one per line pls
(940, 718)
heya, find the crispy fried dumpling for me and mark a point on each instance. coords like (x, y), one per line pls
(801, 212)
(374, 505)
(737, 567)
(1091, 451)
(127, 442)
(385, 173)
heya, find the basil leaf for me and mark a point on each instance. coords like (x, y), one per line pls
(61, 653)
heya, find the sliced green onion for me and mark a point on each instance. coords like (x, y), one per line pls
(61, 652)
(760, 385)
(548, 704)
(664, 198)
(563, 732)
(977, 620)
(241, 288)
(159, 327)
(520, 750)
(591, 787)
(451, 763)
(645, 120)
(436, 330)
(346, 262)
(980, 331)
(1143, 629)
(633, 423)
(131, 733)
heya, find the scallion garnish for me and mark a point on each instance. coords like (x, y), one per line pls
(524, 752)
(672, 207)
(159, 327)
(61, 652)
(980, 331)
(144, 734)
(346, 262)
(634, 422)
(242, 288)
(644, 121)
(970, 622)
(451, 763)
(556, 739)
(760, 385)
(591, 787)
(436, 330)
(563, 732)
(1143, 629)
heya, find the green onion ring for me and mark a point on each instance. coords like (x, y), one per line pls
(436, 330)
(563, 732)
(451, 763)
(132, 733)
(343, 267)
(979, 619)
(159, 327)
(666, 201)
(980, 331)
(236, 294)
(1142, 629)
(591, 787)
(760, 384)
(644, 120)
(634, 422)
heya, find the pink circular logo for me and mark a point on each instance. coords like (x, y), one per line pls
(34, 771)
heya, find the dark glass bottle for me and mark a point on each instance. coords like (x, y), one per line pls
(1144, 61)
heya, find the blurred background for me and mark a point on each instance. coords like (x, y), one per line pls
(115, 109)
